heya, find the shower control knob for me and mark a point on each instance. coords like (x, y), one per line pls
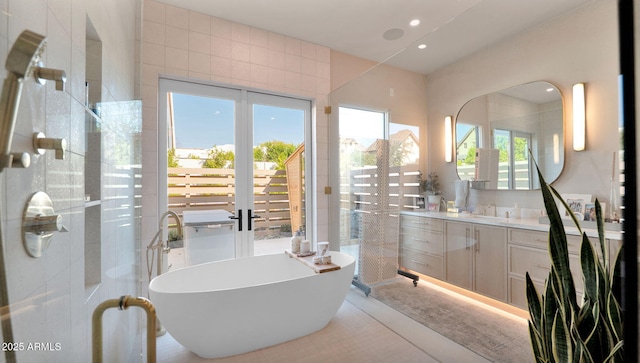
(39, 221)
(43, 224)
(15, 160)
(42, 143)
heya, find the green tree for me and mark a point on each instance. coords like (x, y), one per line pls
(172, 159)
(273, 151)
(470, 158)
(520, 148)
(219, 159)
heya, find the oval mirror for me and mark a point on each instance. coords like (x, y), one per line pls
(495, 132)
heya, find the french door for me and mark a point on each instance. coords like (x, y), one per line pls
(235, 145)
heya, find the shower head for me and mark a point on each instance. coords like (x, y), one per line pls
(21, 61)
(25, 53)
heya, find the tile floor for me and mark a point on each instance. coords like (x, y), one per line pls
(363, 330)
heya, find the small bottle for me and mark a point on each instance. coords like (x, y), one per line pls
(305, 246)
(295, 243)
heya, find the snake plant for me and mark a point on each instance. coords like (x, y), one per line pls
(560, 328)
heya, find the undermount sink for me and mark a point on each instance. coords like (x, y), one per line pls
(493, 218)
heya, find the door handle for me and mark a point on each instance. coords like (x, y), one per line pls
(251, 217)
(238, 216)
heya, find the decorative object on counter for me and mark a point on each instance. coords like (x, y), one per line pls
(451, 207)
(430, 185)
(305, 246)
(561, 330)
(295, 242)
(322, 260)
(323, 248)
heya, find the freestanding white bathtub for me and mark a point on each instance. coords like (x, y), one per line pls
(230, 307)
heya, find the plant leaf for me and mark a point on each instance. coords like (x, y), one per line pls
(561, 343)
(589, 269)
(535, 308)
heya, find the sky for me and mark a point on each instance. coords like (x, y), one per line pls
(202, 122)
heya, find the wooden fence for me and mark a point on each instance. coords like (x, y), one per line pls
(214, 189)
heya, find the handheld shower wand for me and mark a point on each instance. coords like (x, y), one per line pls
(22, 59)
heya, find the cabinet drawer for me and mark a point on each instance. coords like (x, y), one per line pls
(538, 239)
(518, 292)
(422, 263)
(423, 241)
(423, 223)
(538, 264)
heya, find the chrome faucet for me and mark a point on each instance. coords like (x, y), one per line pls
(158, 245)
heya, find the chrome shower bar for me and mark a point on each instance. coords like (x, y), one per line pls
(23, 61)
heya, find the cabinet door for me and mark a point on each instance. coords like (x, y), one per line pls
(490, 261)
(458, 254)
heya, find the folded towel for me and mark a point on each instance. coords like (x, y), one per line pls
(462, 194)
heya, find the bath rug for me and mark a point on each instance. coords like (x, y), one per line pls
(487, 333)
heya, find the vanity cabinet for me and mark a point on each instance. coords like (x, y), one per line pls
(421, 245)
(528, 252)
(489, 259)
(476, 258)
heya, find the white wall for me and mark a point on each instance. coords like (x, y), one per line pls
(189, 45)
(580, 46)
(49, 300)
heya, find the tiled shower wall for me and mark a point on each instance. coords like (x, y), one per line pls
(50, 301)
(189, 45)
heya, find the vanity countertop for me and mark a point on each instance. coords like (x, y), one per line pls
(524, 223)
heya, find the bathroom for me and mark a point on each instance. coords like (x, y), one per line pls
(52, 297)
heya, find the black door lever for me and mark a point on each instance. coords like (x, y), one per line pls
(238, 216)
(251, 217)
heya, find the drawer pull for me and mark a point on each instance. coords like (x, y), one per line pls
(420, 240)
(548, 268)
(420, 263)
(539, 240)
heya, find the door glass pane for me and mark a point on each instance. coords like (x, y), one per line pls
(201, 176)
(278, 176)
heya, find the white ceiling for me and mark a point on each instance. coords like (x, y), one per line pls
(451, 29)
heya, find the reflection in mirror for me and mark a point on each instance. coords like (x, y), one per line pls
(495, 132)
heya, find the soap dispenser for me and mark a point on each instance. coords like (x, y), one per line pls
(516, 211)
(295, 242)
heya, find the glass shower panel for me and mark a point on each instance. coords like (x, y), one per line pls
(362, 145)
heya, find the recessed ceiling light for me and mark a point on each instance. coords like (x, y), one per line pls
(414, 22)
(422, 46)
(550, 89)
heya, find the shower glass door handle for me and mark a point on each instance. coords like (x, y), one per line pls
(238, 216)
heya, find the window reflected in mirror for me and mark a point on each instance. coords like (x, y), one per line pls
(524, 121)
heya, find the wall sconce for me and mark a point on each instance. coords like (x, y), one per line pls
(448, 139)
(579, 119)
